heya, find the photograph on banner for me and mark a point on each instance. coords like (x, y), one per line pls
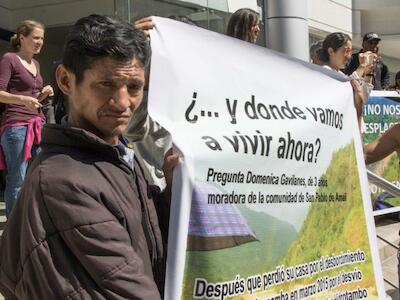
(382, 111)
(279, 201)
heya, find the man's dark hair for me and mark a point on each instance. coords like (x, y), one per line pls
(96, 37)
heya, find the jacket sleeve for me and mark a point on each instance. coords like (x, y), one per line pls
(99, 243)
(105, 251)
(7, 294)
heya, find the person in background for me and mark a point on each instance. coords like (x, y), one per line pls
(244, 24)
(22, 90)
(150, 140)
(315, 47)
(380, 73)
(396, 85)
(335, 53)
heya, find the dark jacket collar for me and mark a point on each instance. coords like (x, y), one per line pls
(58, 135)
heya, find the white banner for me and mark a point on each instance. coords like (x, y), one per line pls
(268, 203)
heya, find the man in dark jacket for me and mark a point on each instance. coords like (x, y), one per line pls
(85, 225)
(380, 74)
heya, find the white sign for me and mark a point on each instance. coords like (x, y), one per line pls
(271, 201)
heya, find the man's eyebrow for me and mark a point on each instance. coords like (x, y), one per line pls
(137, 82)
(131, 80)
(106, 78)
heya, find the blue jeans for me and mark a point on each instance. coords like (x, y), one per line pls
(12, 142)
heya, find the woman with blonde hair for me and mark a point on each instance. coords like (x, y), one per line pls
(21, 90)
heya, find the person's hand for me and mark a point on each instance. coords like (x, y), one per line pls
(368, 60)
(45, 92)
(145, 24)
(170, 162)
(30, 102)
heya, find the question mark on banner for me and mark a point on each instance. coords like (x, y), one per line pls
(317, 142)
(203, 113)
(189, 109)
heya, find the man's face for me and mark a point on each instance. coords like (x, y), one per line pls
(103, 101)
(371, 45)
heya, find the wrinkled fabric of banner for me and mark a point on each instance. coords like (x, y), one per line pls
(271, 199)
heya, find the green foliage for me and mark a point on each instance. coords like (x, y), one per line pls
(391, 171)
(335, 227)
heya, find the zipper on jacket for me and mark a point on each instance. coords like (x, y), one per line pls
(147, 226)
(147, 229)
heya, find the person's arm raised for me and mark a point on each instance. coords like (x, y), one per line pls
(383, 146)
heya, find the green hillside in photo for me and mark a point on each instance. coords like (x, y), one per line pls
(330, 228)
(334, 227)
(274, 237)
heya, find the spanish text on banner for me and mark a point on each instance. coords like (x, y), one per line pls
(271, 200)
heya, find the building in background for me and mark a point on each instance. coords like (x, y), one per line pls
(354, 17)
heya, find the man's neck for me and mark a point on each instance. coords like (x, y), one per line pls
(112, 140)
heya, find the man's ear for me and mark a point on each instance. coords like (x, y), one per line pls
(65, 79)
